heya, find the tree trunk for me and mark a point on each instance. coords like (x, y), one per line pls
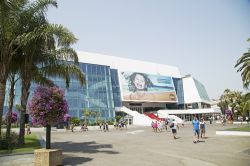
(24, 100)
(48, 136)
(2, 96)
(11, 100)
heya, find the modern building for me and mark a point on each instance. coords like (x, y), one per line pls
(114, 82)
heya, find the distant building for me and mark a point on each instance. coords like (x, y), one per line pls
(114, 82)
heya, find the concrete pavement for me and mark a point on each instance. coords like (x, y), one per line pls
(140, 146)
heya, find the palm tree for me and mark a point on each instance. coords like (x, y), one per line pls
(13, 78)
(230, 99)
(12, 37)
(245, 105)
(42, 58)
(94, 115)
(244, 67)
(86, 114)
(9, 41)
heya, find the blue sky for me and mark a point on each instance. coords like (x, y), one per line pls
(202, 38)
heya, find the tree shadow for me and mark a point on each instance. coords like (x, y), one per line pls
(84, 147)
(73, 160)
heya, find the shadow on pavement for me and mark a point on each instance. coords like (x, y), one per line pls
(72, 160)
(84, 147)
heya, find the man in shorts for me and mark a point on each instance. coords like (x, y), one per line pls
(196, 129)
(174, 127)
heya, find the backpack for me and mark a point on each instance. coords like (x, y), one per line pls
(172, 125)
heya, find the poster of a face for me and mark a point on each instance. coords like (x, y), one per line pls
(147, 87)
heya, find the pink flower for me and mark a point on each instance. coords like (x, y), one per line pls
(48, 106)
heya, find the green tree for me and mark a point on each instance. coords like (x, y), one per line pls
(86, 114)
(230, 99)
(10, 40)
(243, 65)
(75, 121)
(12, 81)
(118, 117)
(94, 115)
(46, 53)
(43, 49)
(244, 107)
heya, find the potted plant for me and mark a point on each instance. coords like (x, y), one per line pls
(47, 107)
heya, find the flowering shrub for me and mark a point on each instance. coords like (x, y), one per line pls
(13, 117)
(48, 106)
(66, 117)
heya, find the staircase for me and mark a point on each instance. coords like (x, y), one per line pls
(153, 116)
(138, 119)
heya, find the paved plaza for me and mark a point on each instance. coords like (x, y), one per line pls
(139, 146)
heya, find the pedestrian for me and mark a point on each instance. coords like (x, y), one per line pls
(202, 128)
(100, 126)
(174, 127)
(196, 129)
(28, 130)
(159, 126)
(104, 126)
(166, 124)
(210, 119)
(155, 126)
(72, 127)
(247, 119)
(241, 120)
(107, 126)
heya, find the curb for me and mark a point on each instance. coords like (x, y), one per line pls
(15, 154)
(236, 133)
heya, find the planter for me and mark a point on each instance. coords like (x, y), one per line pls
(48, 157)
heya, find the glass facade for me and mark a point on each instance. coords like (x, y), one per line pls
(95, 95)
(201, 90)
(101, 93)
(178, 84)
(116, 88)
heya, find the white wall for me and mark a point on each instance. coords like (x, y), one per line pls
(124, 64)
(191, 94)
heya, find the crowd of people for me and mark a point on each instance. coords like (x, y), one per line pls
(199, 127)
(104, 126)
(160, 125)
(121, 125)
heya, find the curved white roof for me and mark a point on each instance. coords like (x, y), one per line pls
(125, 64)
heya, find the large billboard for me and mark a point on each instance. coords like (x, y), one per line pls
(147, 87)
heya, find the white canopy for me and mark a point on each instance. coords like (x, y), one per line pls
(192, 111)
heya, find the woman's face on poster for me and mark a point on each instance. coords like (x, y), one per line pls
(139, 82)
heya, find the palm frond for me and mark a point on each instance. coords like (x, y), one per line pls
(243, 65)
(65, 71)
(41, 6)
(39, 78)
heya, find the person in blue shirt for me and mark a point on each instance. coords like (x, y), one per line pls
(196, 129)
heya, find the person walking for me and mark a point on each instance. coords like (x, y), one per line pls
(166, 124)
(210, 119)
(107, 126)
(72, 127)
(202, 128)
(28, 130)
(100, 125)
(174, 127)
(196, 129)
